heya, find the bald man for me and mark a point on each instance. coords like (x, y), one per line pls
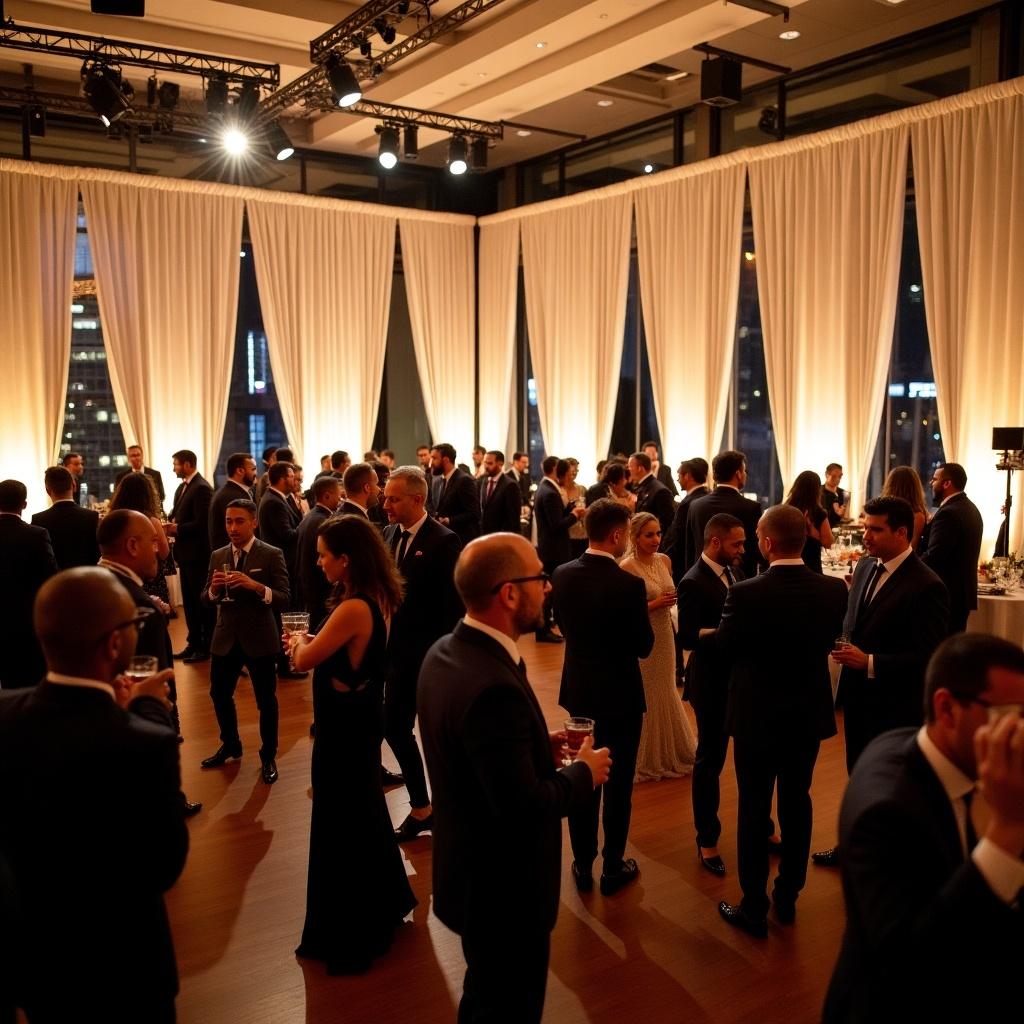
(91, 822)
(499, 791)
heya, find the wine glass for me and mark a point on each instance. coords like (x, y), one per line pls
(576, 731)
(226, 568)
(295, 624)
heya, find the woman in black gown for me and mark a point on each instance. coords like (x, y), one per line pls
(357, 892)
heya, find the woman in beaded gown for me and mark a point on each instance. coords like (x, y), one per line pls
(357, 891)
(667, 744)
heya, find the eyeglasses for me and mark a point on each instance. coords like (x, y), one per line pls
(541, 578)
(140, 616)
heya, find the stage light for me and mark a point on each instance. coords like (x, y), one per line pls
(235, 142)
(216, 94)
(167, 95)
(478, 154)
(103, 88)
(365, 49)
(387, 152)
(342, 81)
(402, 7)
(248, 100)
(280, 145)
(34, 115)
(385, 30)
(411, 142)
(457, 148)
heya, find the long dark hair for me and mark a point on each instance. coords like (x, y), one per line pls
(904, 482)
(805, 494)
(136, 492)
(371, 569)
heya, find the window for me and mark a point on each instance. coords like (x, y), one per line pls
(629, 155)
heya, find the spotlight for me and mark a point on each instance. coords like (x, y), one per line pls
(343, 82)
(248, 100)
(402, 7)
(144, 133)
(103, 89)
(411, 142)
(167, 95)
(280, 145)
(387, 152)
(151, 91)
(216, 94)
(235, 142)
(457, 148)
(385, 30)
(365, 49)
(478, 154)
(769, 121)
(35, 117)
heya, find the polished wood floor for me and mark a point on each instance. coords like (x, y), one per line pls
(655, 953)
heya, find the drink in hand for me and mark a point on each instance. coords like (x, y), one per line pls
(141, 667)
(576, 731)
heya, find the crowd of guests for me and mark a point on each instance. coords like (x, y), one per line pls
(418, 583)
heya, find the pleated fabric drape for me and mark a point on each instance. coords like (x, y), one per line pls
(166, 265)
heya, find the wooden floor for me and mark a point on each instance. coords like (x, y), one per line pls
(656, 953)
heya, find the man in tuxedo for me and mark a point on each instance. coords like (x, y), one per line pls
(833, 498)
(701, 597)
(423, 459)
(519, 471)
(952, 543)
(74, 463)
(777, 630)
(933, 918)
(275, 456)
(339, 462)
(241, 475)
(651, 495)
(492, 761)
(72, 529)
(693, 475)
(247, 632)
(189, 526)
(362, 492)
(312, 583)
(729, 471)
(662, 473)
(499, 497)
(26, 563)
(136, 465)
(375, 512)
(425, 553)
(453, 497)
(92, 826)
(602, 610)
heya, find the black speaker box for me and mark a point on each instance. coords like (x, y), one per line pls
(721, 82)
(125, 8)
(1008, 439)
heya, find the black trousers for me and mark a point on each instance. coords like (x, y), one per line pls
(399, 719)
(505, 981)
(622, 737)
(198, 617)
(761, 765)
(224, 672)
(712, 748)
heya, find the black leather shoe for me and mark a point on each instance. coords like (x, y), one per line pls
(222, 757)
(191, 810)
(547, 637)
(391, 778)
(785, 908)
(183, 654)
(412, 827)
(269, 771)
(827, 858)
(758, 927)
(291, 674)
(194, 656)
(584, 879)
(713, 864)
(616, 880)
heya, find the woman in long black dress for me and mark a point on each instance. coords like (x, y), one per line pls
(357, 892)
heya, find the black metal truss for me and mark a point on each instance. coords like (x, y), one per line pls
(347, 34)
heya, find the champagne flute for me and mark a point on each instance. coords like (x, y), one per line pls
(227, 568)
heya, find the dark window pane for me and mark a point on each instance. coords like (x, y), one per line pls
(629, 155)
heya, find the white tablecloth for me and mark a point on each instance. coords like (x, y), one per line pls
(1003, 616)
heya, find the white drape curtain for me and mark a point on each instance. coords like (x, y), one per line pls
(497, 294)
(688, 236)
(828, 222)
(166, 265)
(969, 177)
(324, 272)
(576, 270)
(37, 251)
(439, 263)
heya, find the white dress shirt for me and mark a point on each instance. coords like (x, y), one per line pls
(90, 684)
(495, 634)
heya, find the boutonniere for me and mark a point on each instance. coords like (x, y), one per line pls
(416, 554)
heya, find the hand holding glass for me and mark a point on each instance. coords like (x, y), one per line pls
(227, 568)
(295, 624)
(141, 667)
(576, 731)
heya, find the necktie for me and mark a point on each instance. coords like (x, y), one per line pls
(490, 488)
(239, 559)
(872, 585)
(729, 578)
(402, 544)
(969, 834)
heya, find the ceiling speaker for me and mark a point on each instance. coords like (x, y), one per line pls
(721, 82)
(124, 8)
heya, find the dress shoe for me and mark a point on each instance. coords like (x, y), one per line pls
(614, 881)
(584, 879)
(291, 674)
(179, 655)
(713, 864)
(269, 771)
(391, 778)
(192, 809)
(545, 636)
(222, 757)
(785, 908)
(736, 916)
(412, 827)
(194, 656)
(827, 858)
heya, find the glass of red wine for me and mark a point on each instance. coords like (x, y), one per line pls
(576, 731)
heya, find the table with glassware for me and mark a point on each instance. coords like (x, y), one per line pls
(1000, 601)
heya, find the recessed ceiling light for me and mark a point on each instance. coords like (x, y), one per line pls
(676, 75)
(481, 74)
(648, 168)
(789, 34)
(605, 103)
(540, 46)
(523, 133)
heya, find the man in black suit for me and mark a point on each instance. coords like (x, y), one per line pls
(933, 921)
(92, 826)
(425, 553)
(74, 463)
(651, 495)
(777, 630)
(662, 472)
(26, 562)
(247, 632)
(519, 471)
(312, 583)
(136, 465)
(189, 526)
(453, 497)
(603, 613)
(492, 760)
(693, 476)
(701, 597)
(952, 543)
(833, 497)
(72, 529)
(499, 497)
(362, 491)
(241, 475)
(729, 470)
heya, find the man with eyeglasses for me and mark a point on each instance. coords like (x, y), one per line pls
(932, 883)
(91, 825)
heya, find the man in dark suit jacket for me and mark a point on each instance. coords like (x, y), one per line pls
(453, 498)
(951, 543)
(136, 465)
(651, 495)
(189, 526)
(278, 521)
(312, 583)
(362, 491)
(492, 761)
(247, 632)
(92, 826)
(777, 629)
(72, 529)
(499, 497)
(662, 472)
(241, 472)
(425, 553)
(701, 597)
(693, 475)
(931, 918)
(26, 562)
(519, 471)
(603, 613)
(729, 470)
